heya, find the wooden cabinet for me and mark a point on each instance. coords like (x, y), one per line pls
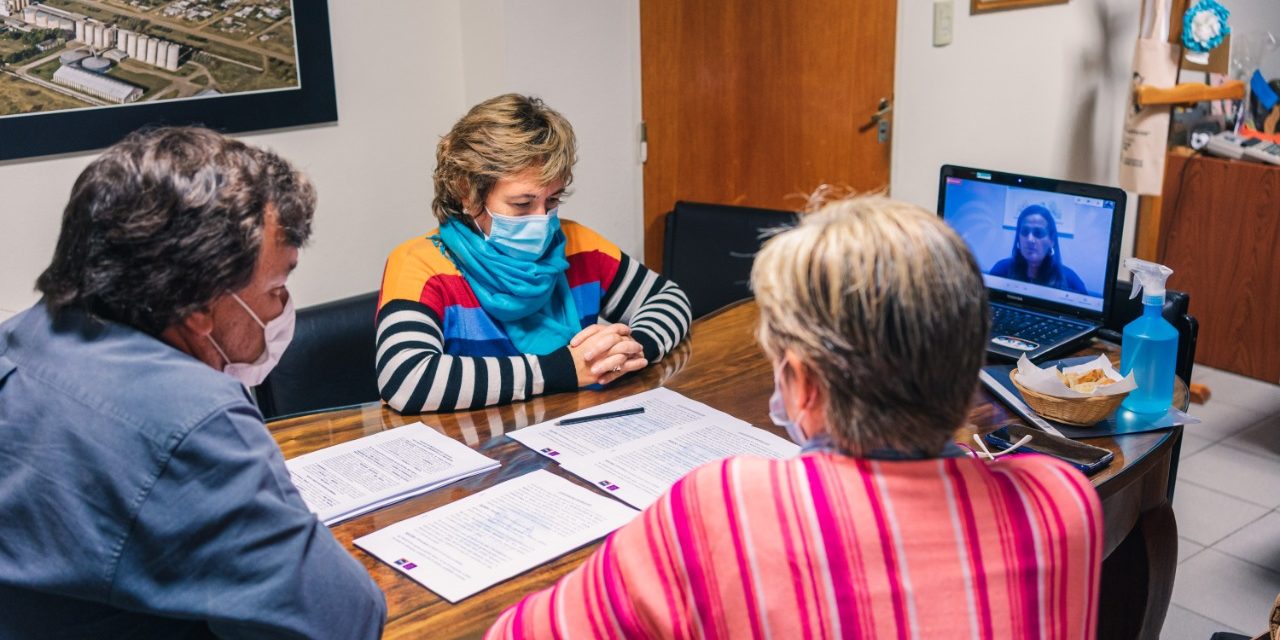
(1220, 233)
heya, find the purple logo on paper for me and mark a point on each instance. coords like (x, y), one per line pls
(549, 451)
(409, 565)
(405, 564)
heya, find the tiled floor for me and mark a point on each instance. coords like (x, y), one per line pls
(1228, 508)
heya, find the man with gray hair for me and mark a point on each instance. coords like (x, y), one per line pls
(142, 495)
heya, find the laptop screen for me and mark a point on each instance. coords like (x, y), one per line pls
(1037, 239)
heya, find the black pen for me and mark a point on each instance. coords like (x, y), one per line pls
(601, 416)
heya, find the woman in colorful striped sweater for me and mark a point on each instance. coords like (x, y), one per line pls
(875, 318)
(505, 301)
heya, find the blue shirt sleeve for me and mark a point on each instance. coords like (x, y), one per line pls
(223, 536)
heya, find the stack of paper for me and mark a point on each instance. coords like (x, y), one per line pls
(638, 457)
(346, 480)
(466, 546)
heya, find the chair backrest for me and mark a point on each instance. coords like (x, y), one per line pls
(709, 249)
(330, 362)
(1176, 304)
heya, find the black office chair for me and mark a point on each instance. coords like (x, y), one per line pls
(709, 249)
(1176, 303)
(330, 362)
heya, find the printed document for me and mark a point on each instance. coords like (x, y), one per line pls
(638, 457)
(464, 547)
(640, 471)
(346, 480)
(663, 409)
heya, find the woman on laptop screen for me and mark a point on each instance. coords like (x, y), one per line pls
(1037, 257)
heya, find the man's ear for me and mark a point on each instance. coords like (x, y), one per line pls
(198, 322)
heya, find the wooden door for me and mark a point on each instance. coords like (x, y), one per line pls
(757, 102)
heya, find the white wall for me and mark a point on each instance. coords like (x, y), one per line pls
(1257, 16)
(583, 58)
(401, 84)
(1038, 91)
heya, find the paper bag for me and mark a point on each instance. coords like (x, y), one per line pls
(1146, 129)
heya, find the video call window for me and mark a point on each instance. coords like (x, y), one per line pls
(1048, 245)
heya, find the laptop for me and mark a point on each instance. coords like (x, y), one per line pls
(1048, 249)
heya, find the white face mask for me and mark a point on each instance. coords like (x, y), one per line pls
(778, 413)
(276, 334)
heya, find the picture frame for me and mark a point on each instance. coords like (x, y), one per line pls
(987, 6)
(312, 101)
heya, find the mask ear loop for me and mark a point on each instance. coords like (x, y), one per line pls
(782, 375)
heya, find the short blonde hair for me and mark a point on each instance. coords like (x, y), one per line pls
(500, 137)
(885, 307)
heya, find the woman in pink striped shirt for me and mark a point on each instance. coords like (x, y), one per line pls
(874, 315)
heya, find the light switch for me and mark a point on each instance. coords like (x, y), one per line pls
(942, 13)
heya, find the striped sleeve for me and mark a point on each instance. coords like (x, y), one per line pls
(415, 375)
(655, 308)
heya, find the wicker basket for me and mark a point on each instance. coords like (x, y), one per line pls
(1079, 412)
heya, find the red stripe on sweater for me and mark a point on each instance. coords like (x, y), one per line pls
(740, 551)
(973, 542)
(592, 266)
(1086, 493)
(442, 291)
(1059, 573)
(896, 591)
(780, 505)
(694, 565)
(615, 591)
(1025, 565)
(662, 557)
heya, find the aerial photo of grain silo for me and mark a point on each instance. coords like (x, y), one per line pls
(72, 54)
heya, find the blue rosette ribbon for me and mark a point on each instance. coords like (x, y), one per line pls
(1204, 26)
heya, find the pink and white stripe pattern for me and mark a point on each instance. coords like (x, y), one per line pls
(827, 546)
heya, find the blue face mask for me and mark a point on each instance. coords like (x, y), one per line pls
(523, 237)
(778, 413)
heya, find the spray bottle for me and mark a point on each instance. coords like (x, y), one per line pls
(1149, 348)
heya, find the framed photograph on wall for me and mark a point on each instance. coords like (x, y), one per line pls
(81, 74)
(984, 6)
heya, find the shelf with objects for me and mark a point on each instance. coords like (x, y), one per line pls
(1192, 186)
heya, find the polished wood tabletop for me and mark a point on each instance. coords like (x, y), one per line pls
(721, 365)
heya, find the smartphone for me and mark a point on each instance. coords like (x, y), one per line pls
(1085, 457)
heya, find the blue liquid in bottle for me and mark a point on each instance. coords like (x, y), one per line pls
(1149, 349)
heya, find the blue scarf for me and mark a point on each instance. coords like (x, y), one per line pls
(529, 299)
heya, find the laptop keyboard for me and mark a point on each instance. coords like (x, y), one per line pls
(1007, 321)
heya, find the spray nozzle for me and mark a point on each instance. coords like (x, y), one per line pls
(1147, 276)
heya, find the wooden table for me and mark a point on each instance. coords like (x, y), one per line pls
(722, 366)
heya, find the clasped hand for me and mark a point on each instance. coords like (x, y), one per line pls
(603, 353)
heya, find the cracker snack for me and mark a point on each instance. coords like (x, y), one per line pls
(1093, 378)
(1086, 381)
